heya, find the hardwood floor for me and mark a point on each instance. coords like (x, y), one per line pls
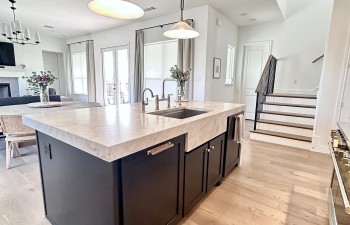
(275, 185)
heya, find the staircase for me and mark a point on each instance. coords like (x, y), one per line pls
(285, 119)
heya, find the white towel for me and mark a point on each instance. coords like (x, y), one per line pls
(239, 128)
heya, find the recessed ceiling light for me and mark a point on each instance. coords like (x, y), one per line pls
(48, 26)
(244, 14)
(118, 9)
(252, 20)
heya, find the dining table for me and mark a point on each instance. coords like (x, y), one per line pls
(11, 117)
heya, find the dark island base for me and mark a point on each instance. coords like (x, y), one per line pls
(159, 189)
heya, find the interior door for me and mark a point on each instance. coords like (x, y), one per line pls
(116, 75)
(51, 63)
(254, 60)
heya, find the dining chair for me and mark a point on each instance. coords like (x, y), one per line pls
(15, 133)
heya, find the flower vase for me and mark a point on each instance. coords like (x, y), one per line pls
(181, 89)
(44, 95)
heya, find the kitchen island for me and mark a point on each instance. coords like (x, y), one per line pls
(116, 165)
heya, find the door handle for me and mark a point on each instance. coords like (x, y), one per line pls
(160, 148)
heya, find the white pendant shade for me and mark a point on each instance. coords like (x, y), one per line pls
(181, 30)
(116, 9)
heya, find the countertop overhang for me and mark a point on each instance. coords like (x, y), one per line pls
(113, 132)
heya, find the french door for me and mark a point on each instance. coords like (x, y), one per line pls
(116, 75)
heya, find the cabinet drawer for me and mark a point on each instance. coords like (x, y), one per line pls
(151, 185)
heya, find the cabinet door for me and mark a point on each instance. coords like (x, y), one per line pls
(232, 150)
(215, 160)
(195, 176)
(152, 185)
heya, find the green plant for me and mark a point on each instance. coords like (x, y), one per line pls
(179, 75)
(43, 79)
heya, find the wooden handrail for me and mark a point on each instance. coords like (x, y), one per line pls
(318, 59)
(267, 66)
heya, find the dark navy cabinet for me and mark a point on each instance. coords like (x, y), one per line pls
(232, 149)
(153, 184)
(203, 170)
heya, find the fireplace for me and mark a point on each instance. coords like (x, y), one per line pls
(5, 90)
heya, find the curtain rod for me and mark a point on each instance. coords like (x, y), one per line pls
(161, 26)
(79, 42)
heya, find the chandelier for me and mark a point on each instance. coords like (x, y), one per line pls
(15, 33)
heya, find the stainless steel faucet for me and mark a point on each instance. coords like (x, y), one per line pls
(163, 92)
(144, 103)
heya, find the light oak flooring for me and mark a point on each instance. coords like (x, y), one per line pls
(275, 185)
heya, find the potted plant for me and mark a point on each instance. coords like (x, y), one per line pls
(41, 81)
(181, 76)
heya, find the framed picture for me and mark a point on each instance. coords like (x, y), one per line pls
(217, 68)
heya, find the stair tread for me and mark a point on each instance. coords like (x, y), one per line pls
(287, 95)
(288, 114)
(283, 135)
(288, 124)
(290, 104)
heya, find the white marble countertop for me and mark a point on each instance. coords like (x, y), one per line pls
(18, 110)
(345, 128)
(113, 132)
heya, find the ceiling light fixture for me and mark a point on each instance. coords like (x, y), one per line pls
(181, 30)
(14, 32)
(118, 9)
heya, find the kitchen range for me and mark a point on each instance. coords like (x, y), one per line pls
(339, 193)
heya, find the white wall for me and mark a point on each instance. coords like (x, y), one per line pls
(333, 72)
(297, 41)
(126, 35)
(219, 37)
(32, 57)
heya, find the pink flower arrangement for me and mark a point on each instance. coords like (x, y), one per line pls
(43, 79)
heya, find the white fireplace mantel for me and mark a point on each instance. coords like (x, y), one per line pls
(12, 71)
(15, 72)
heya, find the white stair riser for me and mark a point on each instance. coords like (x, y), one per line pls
(278, 108)
(281, 141)
(290, 119)
(285, 129)
(304, 101)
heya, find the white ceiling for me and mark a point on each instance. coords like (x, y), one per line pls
(73, 18)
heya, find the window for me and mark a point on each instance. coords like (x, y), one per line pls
(159, 58)
(230, 70)
(79, 73)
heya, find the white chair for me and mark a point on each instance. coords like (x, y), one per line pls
(15, 133)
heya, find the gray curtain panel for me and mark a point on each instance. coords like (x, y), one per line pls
(139, 65)
(90, 63)
(185, 59)
(69, 73)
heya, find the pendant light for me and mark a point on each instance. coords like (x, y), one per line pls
(181, 30)
(118, 9)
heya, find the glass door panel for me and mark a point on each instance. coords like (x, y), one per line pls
(116, 75)
(123, 75)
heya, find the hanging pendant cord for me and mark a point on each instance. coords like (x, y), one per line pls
(182, 9)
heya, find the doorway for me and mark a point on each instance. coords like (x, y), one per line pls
(255, 56)
(116, 75)
(53, 62)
